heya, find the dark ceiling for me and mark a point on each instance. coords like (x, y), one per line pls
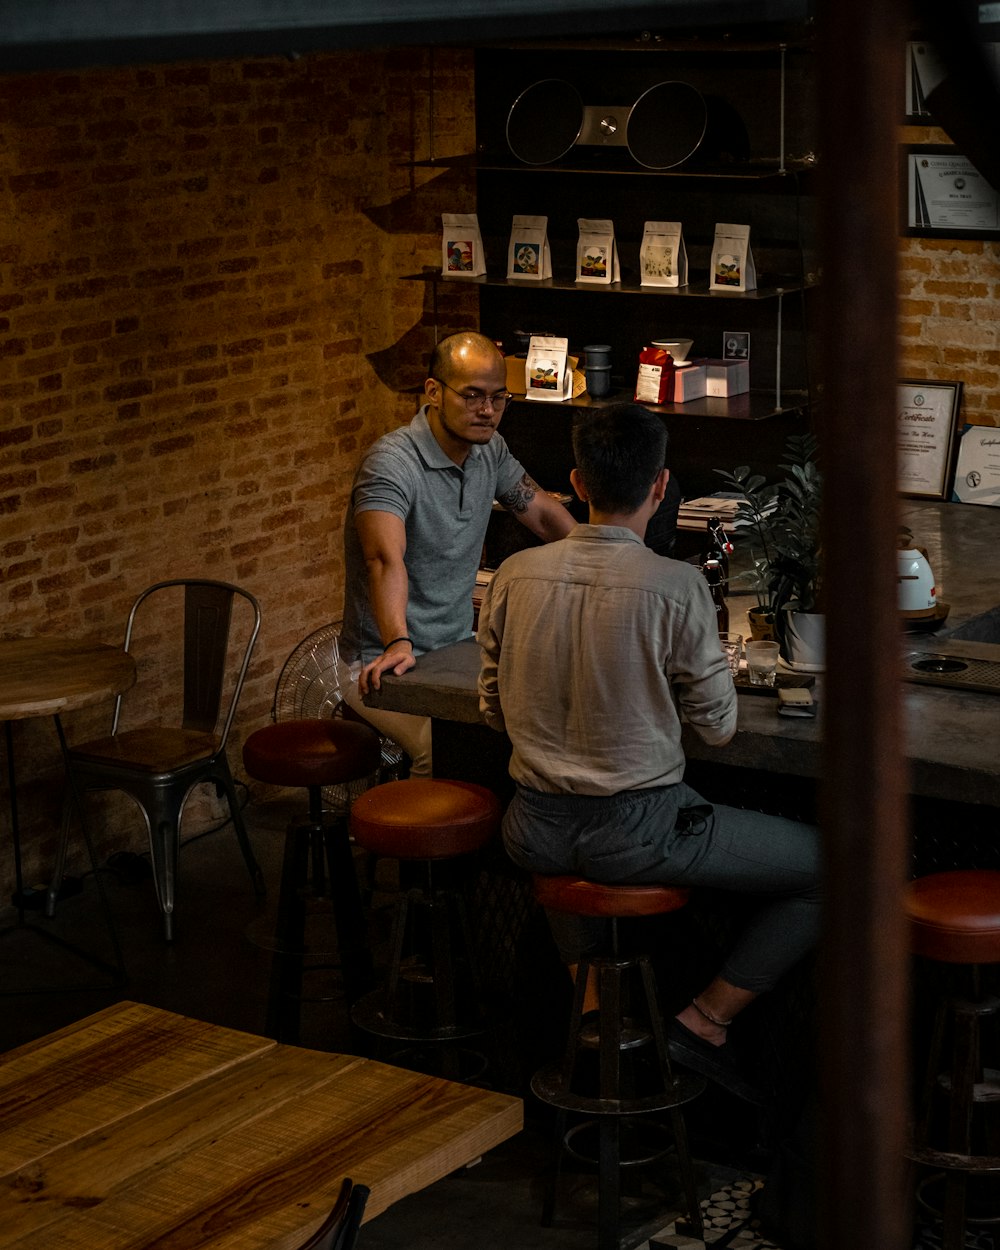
(53, 34)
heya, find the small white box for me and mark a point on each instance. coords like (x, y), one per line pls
(690, 383)
(726, 377)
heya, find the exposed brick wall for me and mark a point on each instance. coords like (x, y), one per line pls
(196, 261)
(949, 315)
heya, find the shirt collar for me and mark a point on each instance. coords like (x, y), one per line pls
(430, 449)
(583, 532)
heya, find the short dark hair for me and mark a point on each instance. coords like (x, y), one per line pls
(619, 451)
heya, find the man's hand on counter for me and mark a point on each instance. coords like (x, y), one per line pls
(397, 658)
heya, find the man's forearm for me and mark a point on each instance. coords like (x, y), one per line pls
(389, 590)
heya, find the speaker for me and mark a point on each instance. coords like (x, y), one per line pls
(545, 121)
(666, 126)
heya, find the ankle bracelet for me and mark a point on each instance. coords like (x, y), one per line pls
(722, 1024)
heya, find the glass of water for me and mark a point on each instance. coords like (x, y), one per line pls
(762, 662)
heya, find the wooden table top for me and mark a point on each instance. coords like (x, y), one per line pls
(136, 1127)
(46, 676)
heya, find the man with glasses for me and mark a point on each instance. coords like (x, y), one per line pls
(414, 530)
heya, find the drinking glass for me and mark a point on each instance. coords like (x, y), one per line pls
(762, 662)
(732, 644)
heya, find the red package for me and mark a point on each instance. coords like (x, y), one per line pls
(655, 383)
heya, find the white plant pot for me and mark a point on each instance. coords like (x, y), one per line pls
(804, 646)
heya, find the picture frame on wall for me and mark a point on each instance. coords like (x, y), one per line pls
(943, 195)
(927, 415)
(924, 72)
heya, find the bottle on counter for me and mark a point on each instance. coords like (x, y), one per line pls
(718, 547)
(712, 572)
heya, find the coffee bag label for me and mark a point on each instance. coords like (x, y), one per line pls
(662, 255)
(462, 253)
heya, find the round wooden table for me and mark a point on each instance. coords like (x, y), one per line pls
(46, 677)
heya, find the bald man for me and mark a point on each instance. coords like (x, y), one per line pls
(415, 526)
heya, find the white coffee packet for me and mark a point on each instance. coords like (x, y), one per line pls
(662, 255)
(547, 376)
(596, 252)
(732, 267)
(528, 254)
(462, 254)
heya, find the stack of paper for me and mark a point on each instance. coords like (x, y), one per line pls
(694, 514)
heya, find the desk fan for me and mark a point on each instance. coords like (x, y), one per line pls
(310, 685)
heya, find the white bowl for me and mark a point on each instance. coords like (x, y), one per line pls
(678, 348)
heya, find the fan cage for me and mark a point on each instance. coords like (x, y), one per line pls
(311, 684)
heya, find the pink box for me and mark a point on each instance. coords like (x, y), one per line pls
(726, 377)
(690, 383)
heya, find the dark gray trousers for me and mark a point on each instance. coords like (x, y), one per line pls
(671, 836)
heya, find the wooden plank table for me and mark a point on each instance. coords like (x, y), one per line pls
(137, 1128)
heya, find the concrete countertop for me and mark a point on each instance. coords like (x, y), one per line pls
(952, 735)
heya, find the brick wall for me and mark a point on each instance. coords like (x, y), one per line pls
(202, 325)
(949, 315)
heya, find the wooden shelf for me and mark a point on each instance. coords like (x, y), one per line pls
(754, 405)
(694, 290)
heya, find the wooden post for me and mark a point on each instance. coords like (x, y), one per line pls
(864, 966)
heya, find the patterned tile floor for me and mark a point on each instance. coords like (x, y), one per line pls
(731, 1225)
(728, 1220)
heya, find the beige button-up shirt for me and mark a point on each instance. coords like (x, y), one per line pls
(593, 648)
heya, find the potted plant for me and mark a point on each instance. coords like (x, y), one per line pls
(781, 520)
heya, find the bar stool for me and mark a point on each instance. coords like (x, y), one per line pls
(433, 997)
(954, 918)
(312, 754)
(634, 1074)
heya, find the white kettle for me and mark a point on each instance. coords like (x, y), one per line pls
(917, 592)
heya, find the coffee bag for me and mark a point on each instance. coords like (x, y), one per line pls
(547, 375)
(596, 253)
(528, 253)
(732, 267)
(462, 253)
(662, 255)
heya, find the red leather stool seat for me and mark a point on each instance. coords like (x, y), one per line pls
(954, 917)
(425, 819)
(579, 897)
(312, 752)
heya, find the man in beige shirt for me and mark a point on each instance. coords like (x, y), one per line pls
(593, 650)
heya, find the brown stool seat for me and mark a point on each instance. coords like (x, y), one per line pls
(425, 819)
(312, 752)
(580, 897)
(954, 917)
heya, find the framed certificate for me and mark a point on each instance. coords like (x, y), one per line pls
(927, 423)
(977, 475)
(946, 196)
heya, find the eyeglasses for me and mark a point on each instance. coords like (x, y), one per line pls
(474, 400)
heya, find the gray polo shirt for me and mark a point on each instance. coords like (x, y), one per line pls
(446, 510)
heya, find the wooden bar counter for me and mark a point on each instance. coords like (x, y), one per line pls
(951, 734)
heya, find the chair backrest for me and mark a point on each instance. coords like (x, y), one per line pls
(208, 611)
(339, 1231)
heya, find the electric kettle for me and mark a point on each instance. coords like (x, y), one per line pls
(917, 592)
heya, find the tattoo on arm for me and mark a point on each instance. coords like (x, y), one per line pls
(520, 496)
